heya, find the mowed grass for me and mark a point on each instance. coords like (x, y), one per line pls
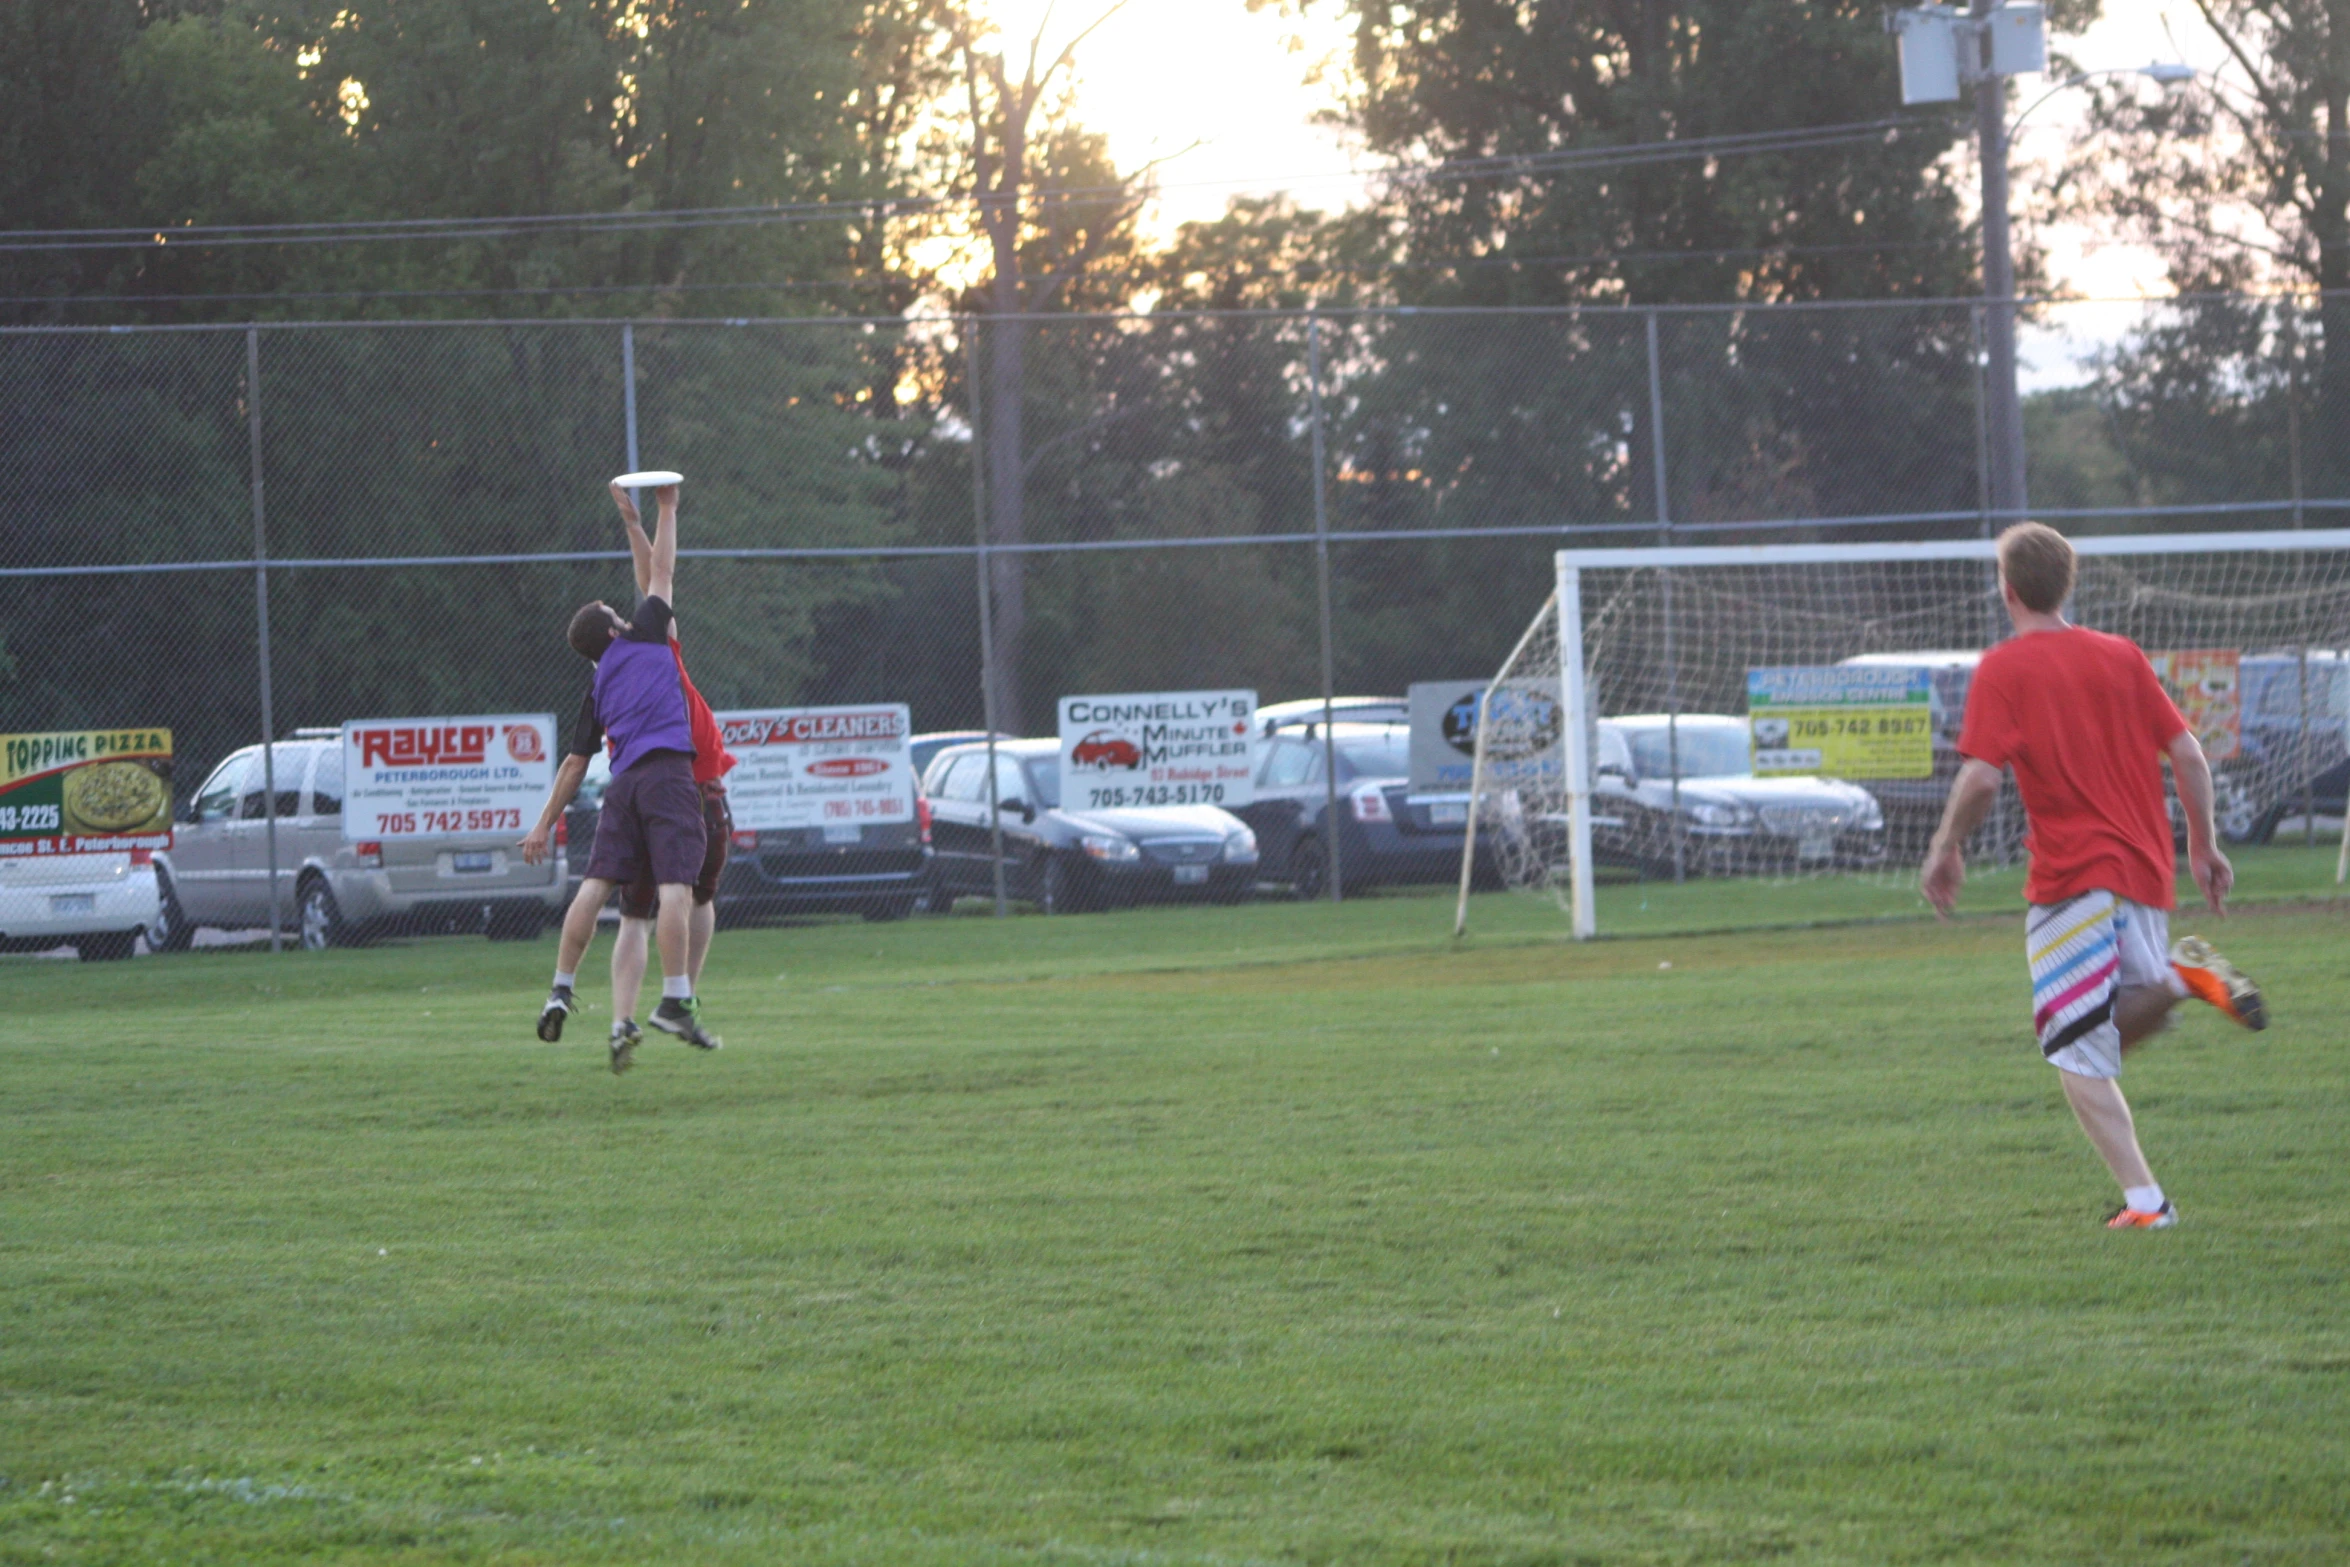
(1272, 1234)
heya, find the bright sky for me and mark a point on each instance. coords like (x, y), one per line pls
(1162, 74)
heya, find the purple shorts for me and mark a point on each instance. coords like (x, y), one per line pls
(650, 825)
(641, 899)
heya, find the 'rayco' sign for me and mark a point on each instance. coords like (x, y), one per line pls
(838, 768)
(1158, 748)
(85, 791)
(440, 777)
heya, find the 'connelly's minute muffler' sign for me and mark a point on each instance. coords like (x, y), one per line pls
(1158, 748)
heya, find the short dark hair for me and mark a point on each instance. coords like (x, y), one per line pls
(592, 630)
(2037, 561)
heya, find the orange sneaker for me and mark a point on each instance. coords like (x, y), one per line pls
(2210, 977)
(2128, 1218)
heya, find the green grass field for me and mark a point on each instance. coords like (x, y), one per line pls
(1273, 1234)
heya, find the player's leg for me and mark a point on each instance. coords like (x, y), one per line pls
(2083, 951)
(579, 929)
(718, 836)
(631, 951)
(677, 841)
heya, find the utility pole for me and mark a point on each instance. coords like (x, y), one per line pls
(2006, 413)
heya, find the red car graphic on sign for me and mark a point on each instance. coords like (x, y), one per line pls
(1105, 750)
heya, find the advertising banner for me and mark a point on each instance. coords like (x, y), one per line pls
(1522, 749)
(1842, 720)
(1158, 748)
(838, 768)
(85, 791)
(437, 777)
(2206, 684)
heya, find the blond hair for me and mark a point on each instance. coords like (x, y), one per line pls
(2038, 563)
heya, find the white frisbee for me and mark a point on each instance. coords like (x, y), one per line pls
(650, 479)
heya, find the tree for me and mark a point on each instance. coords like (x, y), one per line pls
(2241, 181)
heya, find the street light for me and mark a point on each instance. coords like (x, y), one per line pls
(1942, 47)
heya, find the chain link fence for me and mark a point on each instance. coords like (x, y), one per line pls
(236, 532)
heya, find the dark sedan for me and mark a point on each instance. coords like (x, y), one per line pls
(1385, 837)
(1065, 861)
(1721, 820)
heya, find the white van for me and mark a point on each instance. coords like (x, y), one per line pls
(95, 903)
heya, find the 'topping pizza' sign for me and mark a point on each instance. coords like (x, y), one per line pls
(85, 791)
(445, 777)
(838, 768)
(1158, 748)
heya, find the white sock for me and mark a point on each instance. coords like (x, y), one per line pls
(2146, 1199)
(565, 981)
(677, 987)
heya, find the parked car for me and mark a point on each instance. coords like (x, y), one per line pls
(2263, 784)
(1729, 821)
(1385, 836)
(95, 903)
(1064, 861)
(337, 894)
(1343, 709)
(921, 748)
(878, 869)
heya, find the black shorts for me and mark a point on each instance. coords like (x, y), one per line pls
(651, 824)
(641, 898)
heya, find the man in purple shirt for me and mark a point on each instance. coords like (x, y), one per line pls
(651, 818)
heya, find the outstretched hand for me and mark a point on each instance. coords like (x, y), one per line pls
(534, 846)
(666, 498)
(627, 505)
(1941, 877)
(2214, 876)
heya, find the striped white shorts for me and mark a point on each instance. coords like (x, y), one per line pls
(2082, 950)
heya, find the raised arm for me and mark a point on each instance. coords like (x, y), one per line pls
(661, 576)
(640, 548)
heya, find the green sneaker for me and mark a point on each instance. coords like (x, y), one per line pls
(682, 1016)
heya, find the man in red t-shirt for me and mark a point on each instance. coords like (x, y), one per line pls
(2085, 724)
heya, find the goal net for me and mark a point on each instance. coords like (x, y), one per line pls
(1791, 713)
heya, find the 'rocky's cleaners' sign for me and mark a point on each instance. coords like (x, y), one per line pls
(1158, 748)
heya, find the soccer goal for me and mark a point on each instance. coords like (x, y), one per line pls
(1792, 711)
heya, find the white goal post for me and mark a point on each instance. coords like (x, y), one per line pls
(2264, 612)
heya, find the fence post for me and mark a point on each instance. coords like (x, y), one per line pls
(261, 622)
(628, 390)
(995, 820)
(1664, 536)
(1322, 582)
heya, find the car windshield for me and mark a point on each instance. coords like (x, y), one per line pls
(1386, 755)
(1044, 781)
(1707, 751)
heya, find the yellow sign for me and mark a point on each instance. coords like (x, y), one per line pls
(1844, 721)
(85, 791)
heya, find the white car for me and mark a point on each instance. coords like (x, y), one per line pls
(95, 903)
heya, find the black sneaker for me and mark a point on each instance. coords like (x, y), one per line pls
(560, 1005)
(682, 1016)
(625, 1038)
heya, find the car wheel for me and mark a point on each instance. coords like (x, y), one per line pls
(884, 913)
(2236, 810)
(321, 917)
(1309, 868)
(106, 946)
(169, 931)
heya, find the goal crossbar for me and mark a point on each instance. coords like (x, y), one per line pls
(1659, 557)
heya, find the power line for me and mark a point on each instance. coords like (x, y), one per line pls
(1497, 166)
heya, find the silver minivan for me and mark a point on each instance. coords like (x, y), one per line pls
(336, 893)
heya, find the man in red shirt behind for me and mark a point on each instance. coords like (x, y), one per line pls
(2084, 722)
